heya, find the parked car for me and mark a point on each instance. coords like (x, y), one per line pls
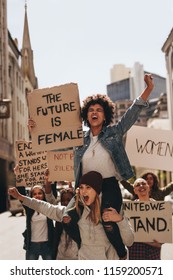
(15, 206)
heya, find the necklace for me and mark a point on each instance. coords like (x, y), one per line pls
(94, 147)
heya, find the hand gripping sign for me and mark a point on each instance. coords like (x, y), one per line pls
(56, 112)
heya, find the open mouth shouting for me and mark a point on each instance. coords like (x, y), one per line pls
(94, 117)
(87, 194)
(85, 198)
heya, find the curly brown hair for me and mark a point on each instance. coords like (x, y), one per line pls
(104, 101)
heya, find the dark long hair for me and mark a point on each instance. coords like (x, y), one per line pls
(31, 194)
(155, 186)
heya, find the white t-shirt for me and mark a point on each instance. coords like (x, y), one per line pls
(98, 159)
(39, 228)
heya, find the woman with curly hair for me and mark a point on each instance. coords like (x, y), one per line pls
(103, 151)
(156, 192)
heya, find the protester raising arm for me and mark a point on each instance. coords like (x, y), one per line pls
(144, 250)
(94, 242)
(128, 186)
(64, 248)
(150, 85)
(53, 212)
(156, 192)
(48, 189)
(106, 139)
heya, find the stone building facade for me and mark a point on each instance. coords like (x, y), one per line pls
(17, 78)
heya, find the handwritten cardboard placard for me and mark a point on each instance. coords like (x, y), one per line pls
(32, 165)
(56, 112)
(61, 165)
(150, 148)
(151, 220)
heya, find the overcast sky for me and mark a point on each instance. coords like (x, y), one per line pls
(80, 40)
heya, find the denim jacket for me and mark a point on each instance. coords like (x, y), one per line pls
(111, 138)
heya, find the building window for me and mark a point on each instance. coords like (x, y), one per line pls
(18, 130)
(20, 83)
(22, 86)
(172, 65)
(17, 104)
(17, 82)
(9, 71)
(20, 107)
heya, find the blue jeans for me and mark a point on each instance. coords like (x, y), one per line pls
(39, 249)
(112, 197)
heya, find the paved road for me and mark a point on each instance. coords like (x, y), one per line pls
(11, 239)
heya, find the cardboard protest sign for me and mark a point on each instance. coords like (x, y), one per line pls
(61, 165)
(150, 148)
(151, 220)
(31, 165)
(56, 112)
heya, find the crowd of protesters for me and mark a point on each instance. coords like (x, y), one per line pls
(89, 219)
